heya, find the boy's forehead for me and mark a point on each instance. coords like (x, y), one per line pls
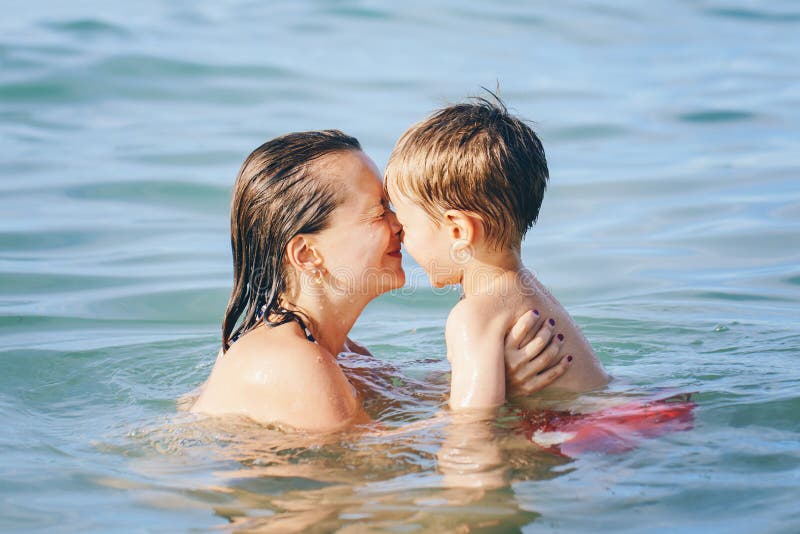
(390, 189)
(394, 195)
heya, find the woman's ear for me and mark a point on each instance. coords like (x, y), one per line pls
(463, 225)
(301, 253)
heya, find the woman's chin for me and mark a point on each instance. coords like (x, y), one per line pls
(399, 279)
(395, 279)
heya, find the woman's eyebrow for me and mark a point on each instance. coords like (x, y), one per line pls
(382, 203)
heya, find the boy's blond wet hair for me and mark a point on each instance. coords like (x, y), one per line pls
(478, 158)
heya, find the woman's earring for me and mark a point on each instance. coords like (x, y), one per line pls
(317, 276)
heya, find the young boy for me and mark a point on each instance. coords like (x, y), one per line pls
(467, 184)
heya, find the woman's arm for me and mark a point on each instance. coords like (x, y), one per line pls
(358, 348)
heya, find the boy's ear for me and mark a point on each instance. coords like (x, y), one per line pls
(302, 254)
(463, 225)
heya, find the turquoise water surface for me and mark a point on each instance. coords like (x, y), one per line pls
(671, 231)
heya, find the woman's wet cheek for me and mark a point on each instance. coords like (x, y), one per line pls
(385, 233)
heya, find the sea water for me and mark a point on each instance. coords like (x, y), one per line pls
(670, 230)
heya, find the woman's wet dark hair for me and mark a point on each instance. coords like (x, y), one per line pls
(277, 195)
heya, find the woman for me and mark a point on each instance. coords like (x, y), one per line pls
(313, 243)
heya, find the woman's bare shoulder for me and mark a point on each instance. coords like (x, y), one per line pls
(277, 375)
(264, 343)
(274, 356)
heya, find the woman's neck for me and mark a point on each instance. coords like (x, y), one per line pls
(331, 317)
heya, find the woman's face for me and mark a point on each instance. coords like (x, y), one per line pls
(361, 247)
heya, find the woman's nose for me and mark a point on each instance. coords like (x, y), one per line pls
(394, 224)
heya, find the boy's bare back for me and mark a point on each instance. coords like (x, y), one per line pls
(475, 333)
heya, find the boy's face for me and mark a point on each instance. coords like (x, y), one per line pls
(427, 242)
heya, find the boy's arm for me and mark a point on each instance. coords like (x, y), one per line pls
(475, 348)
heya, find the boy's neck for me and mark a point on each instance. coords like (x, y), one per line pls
(484, 271)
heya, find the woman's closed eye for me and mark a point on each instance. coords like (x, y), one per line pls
(384, 212)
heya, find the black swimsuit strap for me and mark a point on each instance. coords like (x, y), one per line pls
(306, 331)
(288, 316)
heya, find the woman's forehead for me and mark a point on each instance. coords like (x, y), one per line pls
(367, 194)
(358, 178)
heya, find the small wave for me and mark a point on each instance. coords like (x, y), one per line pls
(793, 280)
(720, 115)
(754, 15)
(359, 12)
(41, 90)
(197, 197)
(589, 131)
(135, 66)
(87, 27)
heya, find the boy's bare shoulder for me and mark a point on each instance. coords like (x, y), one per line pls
(478, 314)
(475, 337)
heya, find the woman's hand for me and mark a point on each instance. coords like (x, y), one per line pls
(533, 356)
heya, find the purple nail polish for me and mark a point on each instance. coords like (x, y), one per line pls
(552, 322)
(569, 358)
(560, 337)
(536, 312)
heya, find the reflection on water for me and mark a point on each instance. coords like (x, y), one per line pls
(442, 471)
(424, 476)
